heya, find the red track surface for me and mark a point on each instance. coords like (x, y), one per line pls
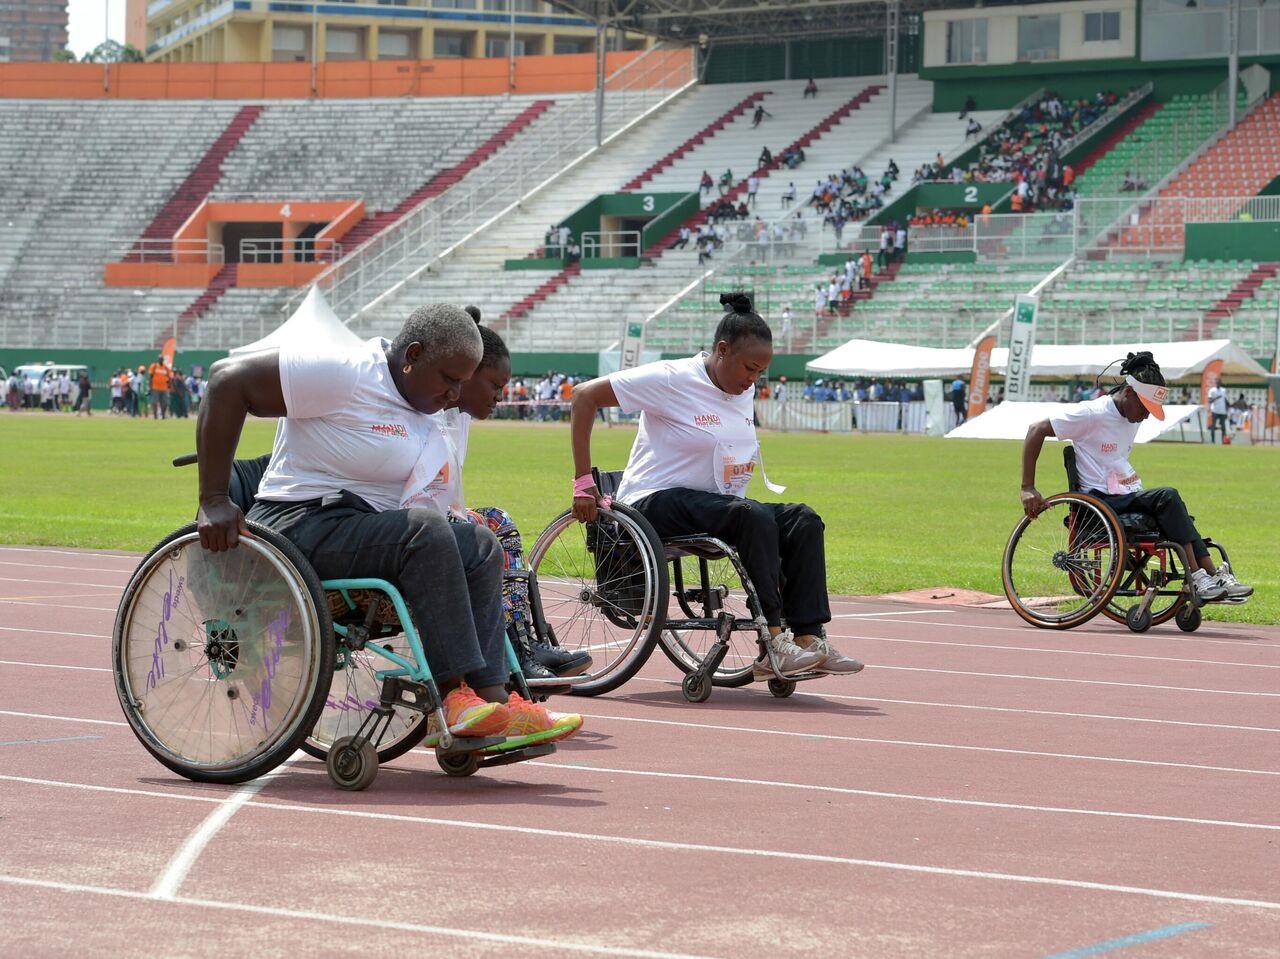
(982, 788)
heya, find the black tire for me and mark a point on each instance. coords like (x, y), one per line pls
(351, 767)
(1188, 618)
(248, 630)
(458, 764)
(563, 571)
(782, 688)
(1051, 576)
(1134, 582)
(696, 688)
(1138, 619)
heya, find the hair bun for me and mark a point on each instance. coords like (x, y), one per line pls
(736, 303)
(474, 312)
(1134, 362)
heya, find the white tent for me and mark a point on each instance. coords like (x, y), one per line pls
(1180, 361)
(313, 321)
(1009, 421)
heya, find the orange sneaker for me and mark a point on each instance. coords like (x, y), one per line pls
(529, 719)
(469, 715)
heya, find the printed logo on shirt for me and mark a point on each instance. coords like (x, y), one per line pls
(390, 429)
(1110, 447)
(442, 479)
(706, 419)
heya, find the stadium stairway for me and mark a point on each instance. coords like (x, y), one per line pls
(542, 292)
(1117, 134)
(806, 340)
(222, 281)
(1245, 290)
(197, 186)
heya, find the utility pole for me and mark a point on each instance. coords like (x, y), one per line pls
(891, 64)
(1233, 60)
(315, 53)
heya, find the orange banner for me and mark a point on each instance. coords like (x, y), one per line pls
(1209, 379)
(1273, 417)
(980, 376)
(169, 351)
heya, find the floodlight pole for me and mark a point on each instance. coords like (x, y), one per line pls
(106, 35)
(315, 33)
(891, 64)
(600, 72)
(1233, 60)
(511, 49)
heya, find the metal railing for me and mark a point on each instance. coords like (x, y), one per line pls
(165, 249)
(606, 244)
(296, 250)
(539, 155)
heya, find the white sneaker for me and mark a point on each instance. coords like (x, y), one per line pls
(1236, 590)
(835, 662)
(790, 658)
(1206, 587)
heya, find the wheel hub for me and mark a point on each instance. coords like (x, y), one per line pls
(221, 647)
(1060, 559)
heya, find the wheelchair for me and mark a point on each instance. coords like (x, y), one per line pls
(1079, 558)
(605, 587)
(227, 663)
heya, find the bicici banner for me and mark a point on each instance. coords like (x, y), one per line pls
(632, 345)
(1017, 381)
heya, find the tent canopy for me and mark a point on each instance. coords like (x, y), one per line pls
(313, 321)
(1180, 362)
(1009, 421)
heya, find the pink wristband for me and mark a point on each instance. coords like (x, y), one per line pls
(583, 483)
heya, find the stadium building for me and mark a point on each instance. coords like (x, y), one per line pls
(1118, 158)
(32, 30)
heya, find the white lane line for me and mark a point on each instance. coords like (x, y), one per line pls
(1062, 679)
(93, 554)
(170, 880)
(78, 569)
(47, 605)
(88, 669)
(912, 612)
(278, 912)
(1046, 649)
(1006, 709)
(875, 794)
(50, 632)
(1243, 642)
(65, 719)
(636, 842)
(832, 737)
(60, 582)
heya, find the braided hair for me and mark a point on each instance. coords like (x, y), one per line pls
(1141, 366)
(495, 350)
(740, 320)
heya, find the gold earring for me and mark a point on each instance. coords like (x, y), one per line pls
(407, 368)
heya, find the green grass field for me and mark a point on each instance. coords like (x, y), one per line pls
(901, 512)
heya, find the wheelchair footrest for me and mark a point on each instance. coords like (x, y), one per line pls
(470, 744)
(536, 751)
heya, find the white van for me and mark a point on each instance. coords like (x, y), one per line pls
(36, 373)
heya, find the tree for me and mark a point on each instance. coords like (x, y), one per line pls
(111, 51)
(63, 56)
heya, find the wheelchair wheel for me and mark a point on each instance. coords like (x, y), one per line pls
(1062, 568)
(1140, 568)
(602, 588)
(688, 648)
(223, 660)
(1188, 617)
(353, 694)
(352, 768)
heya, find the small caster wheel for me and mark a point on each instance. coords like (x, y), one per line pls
(352, 767)
(1138, 619)
(782, 688)
(1188, 618)
(458, 764)
(696, 688)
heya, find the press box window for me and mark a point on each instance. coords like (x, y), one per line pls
(1101, 26)
(966, 41)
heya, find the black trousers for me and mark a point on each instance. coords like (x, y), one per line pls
(780, 544)
(450, 574)
(1165, 504)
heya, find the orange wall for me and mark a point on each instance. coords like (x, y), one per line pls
(195, 275)
(565, 73)
(277, 274)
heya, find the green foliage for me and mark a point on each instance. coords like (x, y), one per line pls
(112, 51)
(901, 512)
(63, 56)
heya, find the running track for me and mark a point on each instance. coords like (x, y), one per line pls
(982, 789)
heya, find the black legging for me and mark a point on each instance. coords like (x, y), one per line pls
(1165, 504)
(780, 544)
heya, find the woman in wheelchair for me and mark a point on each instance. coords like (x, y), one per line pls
(355, 427)
(1103, 431)
(693, 457)
(478, 398)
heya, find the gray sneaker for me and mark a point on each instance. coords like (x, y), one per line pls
(1207, 587)
(1236, 590)
(836, 662)
(791, 658)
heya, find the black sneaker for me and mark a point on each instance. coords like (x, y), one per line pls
(562, 662)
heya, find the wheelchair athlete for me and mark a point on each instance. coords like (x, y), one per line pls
(478, 399)
(693, 457)
(1103, 431)
(354, 427)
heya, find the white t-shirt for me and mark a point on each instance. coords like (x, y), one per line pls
(1218, 400)
(1103, 439)
(347, 428)
(443, 493)
(692, 435)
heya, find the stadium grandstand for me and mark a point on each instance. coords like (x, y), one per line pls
(1119, 158)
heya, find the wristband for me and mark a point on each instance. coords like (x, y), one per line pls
(583, 483)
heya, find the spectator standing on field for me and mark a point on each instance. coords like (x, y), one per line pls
(1218, 409)
(13, 393)
(957, 400)
(84, 397)
(159, 374)
(64, 392)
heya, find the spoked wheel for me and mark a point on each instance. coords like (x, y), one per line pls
(602, 587)
(1062, 568)
(223, 660)
(353, 694)
(688, 648)
(350, 766)
(1141, 568)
